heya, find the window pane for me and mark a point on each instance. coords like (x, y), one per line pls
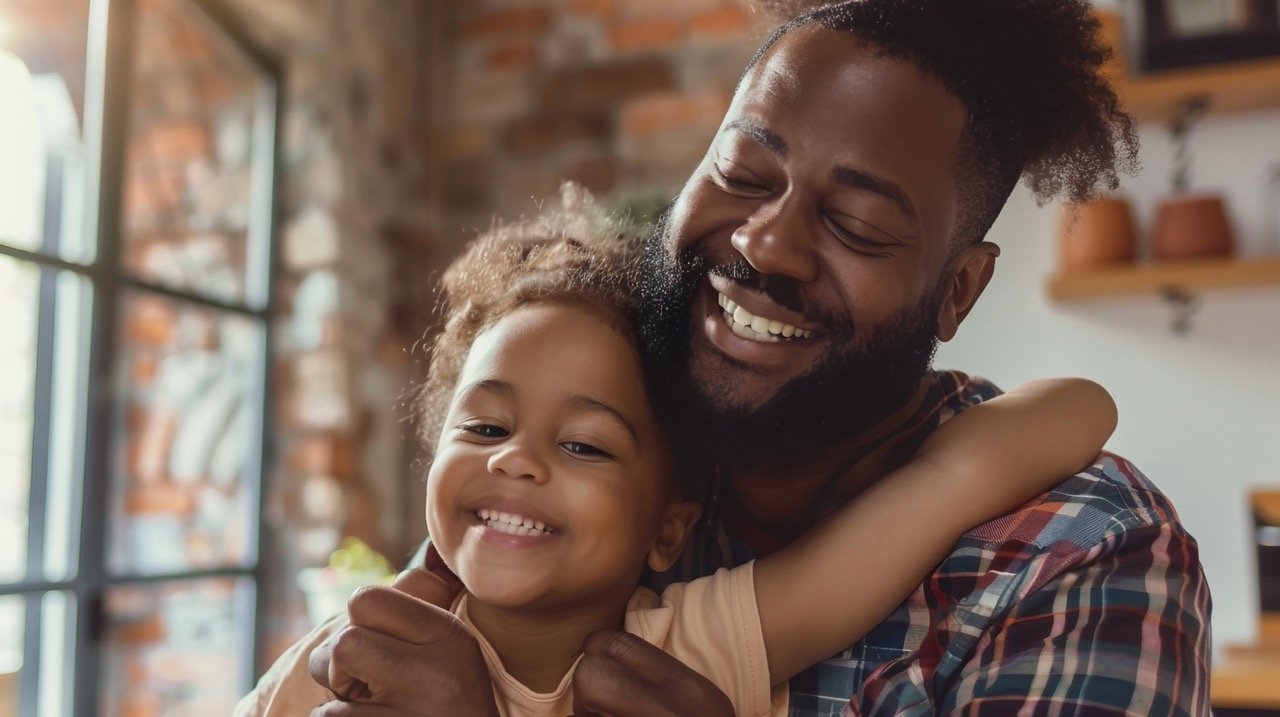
(194, 187)
(35, 644)
(187, 463)
(177, 648)
(41, 418)
(20, 295)
(42, 91)
(13, 614)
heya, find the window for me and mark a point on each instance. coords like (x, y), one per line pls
(138, 156)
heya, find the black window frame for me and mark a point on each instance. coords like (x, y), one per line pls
(109, 62)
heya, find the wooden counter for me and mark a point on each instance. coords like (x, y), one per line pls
(1247, 677)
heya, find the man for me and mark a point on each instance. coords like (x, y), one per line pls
(832, 234)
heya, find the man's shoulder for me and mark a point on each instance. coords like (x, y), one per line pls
(1108, 514)
(1109, 497)
(954, 391)
(1067, 524)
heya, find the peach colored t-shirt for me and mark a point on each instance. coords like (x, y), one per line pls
(711, 624)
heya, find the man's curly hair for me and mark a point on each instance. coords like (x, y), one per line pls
(1029, 72)
(571, 255)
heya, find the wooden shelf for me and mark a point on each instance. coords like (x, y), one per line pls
(1187, 276)
(1156, 97)
(1247, 678)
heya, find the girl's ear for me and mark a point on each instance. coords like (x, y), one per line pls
(677, 523)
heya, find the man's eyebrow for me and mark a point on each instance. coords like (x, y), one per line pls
(591, 404)
(859, 179)
(772, 140)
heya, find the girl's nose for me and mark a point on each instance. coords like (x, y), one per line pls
(514, 459)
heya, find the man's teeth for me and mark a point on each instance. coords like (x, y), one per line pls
(757, 328)
(512, 523)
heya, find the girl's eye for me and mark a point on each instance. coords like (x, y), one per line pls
(485, 430)
(578, 448)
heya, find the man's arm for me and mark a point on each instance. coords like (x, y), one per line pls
(1124, 632)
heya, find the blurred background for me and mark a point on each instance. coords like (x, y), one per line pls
(220, 226)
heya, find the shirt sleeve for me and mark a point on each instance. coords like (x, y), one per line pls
(715, 630)
(1124, 632)
(287, 690)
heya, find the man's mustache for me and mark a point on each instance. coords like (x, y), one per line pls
(782, 290)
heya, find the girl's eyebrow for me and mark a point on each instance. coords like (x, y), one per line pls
(591, 404)
(491, 385)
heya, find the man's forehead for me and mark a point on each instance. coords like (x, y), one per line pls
(855, 106)
(774, 79)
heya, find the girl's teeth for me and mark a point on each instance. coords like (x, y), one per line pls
(511, 523)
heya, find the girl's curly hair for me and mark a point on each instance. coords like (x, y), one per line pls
(574, 254)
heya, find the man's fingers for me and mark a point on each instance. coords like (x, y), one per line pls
(348, 709)
(622, 675)
(437, 589)
(347, 688)
(618, 674)
(365, 657)
(631, 652)
(603, 686)
(400, 615)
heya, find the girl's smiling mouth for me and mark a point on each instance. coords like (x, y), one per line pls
(512, 523)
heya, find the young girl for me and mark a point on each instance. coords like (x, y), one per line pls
(552, 489)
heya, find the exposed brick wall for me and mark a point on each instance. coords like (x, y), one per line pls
(620, 95)
(359, 228)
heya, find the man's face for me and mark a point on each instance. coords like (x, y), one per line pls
(817, 229)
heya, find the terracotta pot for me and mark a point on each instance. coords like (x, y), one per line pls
(1189, 227)
(1096, 233)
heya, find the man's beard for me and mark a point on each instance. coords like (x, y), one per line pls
(857, 384)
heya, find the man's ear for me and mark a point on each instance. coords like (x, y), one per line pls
(676, 525)
(966, 275)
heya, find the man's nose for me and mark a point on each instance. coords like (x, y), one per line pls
(516, 459)
(777, 239)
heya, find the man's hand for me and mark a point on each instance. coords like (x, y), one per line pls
(404, 654)
(621, 675)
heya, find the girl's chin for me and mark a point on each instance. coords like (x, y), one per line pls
(505, 595)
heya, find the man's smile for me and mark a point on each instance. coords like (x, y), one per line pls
(747, 327)
(758, 328)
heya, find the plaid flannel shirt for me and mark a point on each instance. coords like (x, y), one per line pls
(1089, 600)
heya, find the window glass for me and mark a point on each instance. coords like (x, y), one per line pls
(42, 91)
(176, 648)
(194, 153)
(187, 456)
(12, 635)
(19, 294)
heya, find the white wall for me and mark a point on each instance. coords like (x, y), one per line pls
(1200, 413)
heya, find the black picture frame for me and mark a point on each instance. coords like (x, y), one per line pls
(1165, 47)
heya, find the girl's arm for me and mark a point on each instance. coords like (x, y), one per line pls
(829, 587)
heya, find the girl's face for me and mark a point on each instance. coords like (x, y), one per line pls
(551, 485)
